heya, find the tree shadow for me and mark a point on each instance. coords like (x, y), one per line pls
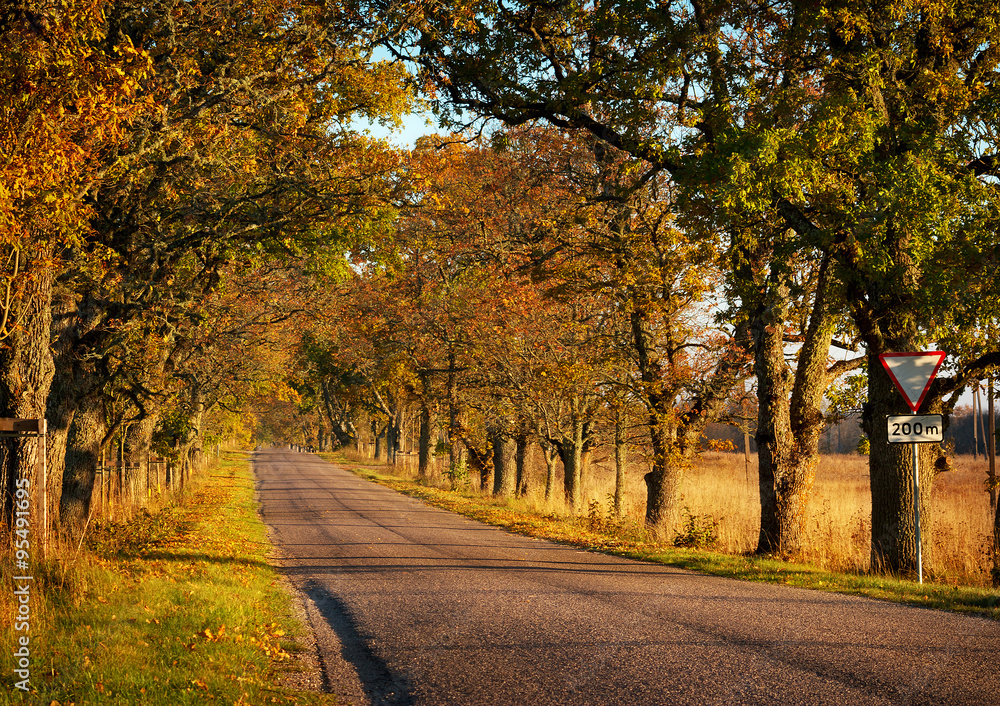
(381, 686)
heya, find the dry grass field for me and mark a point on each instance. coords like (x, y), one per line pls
(722, 488)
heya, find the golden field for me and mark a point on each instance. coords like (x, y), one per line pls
(722, 488)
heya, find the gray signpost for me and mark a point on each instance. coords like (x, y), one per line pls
(912, 373)
(33, 427)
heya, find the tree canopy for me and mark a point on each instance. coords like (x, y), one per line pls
(637, 207)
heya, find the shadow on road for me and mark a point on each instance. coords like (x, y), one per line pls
(381, 686)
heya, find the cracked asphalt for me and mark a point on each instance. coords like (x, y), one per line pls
(415, 605)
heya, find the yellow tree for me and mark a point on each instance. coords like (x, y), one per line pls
(249, 155)
(66, 103)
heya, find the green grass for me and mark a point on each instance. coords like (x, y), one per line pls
(178, 607)
(597, 532)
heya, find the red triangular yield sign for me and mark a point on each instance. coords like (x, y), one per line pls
(912, 373)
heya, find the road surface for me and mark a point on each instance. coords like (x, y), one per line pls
(415, 605)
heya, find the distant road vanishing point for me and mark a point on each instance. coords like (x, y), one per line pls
(415, 605)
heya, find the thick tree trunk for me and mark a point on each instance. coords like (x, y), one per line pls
(80, 480)
(996, 547)
(26, 372)
(774, 432)
(341, 426)
(74, 388)
(424, 445)
(572, 448)
(504, 464)
(663, 482)
(391, 442)
(621, 454)
(480, 462)
(394, 436)
(991, 449)
(379, 435)
(138, 442)
(551, 454)
(891, 467)
(454, 430)
(195, 455)
(520, 462)
(789, 420)
(572, 459)
(345, 434)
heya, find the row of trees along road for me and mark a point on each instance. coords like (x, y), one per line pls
(166, 169)
(683, 195)
(842, 155)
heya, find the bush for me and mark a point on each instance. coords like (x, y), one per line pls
(698, 531)
(458, 474)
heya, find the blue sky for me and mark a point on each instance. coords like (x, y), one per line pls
(414, 125)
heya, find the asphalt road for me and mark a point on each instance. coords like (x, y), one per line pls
(415, 605)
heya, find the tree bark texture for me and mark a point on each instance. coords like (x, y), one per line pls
(504, 463)
(891, 466)
(571, 448)
(379, 435)
(996, 547)
(520, 461)
(26, 371)
(789, 419)
(338, 414)
(663, 481)
(138, 442)
(551, 454)
(621, 455)
(80, 480)
(424, 445)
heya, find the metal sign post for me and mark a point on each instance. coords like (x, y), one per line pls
(916, 515)
(916, 429)
(33, 427)
(912, 374)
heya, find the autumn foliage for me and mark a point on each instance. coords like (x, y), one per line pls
(638, 210)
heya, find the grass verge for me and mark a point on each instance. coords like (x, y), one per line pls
(597, 532)
(178, 607)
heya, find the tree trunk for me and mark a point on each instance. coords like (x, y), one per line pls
(424, 446)
(571, 451)
(341, 426)
(520, 461)
(504, 463)
(379, 435)
(774, 432)
(195, 456)
(991, 442)
(74, 391)
(992, 450)
(80, 480)
(663, 481)
(481, 462)
(138, 442)
(551, 454)
(26, 372)
(621, 454)
(891, 467)
(789, 415)
(392, 439)
(396, 444)
(996, 548)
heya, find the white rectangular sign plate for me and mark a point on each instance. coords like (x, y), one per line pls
(915, 429)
